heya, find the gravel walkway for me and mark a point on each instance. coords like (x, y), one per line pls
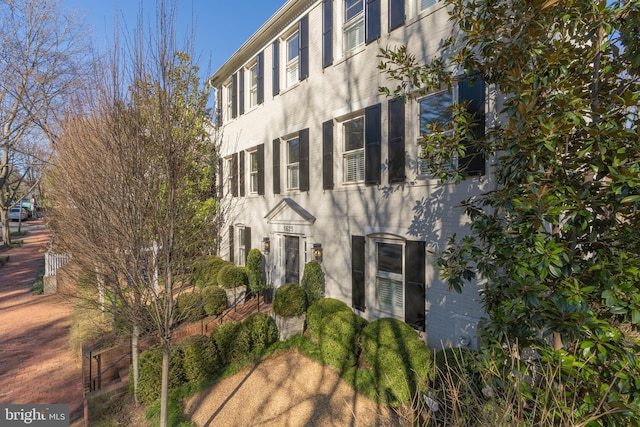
(286, 390)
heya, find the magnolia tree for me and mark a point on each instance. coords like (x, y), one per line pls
(558, 240)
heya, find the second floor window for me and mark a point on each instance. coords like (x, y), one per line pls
(353, 24)
(353, 157)
(253, 85)
(293, 65)
(293, 163)
(435, 108)
(228, 103)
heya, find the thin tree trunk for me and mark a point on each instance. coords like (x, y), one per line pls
(135, 351)
(164, 393)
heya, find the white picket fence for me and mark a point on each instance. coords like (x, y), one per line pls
(52, 262)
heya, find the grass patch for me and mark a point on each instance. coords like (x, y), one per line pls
(38, 285)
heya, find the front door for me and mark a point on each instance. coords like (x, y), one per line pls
(292, 259)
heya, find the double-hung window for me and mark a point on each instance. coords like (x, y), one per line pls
(228, 101)
(353, 24)
(253, 85)
(390, 277)
(435, 109)
(253, 172)
(230, 175)
(353, 154)
(293, 163)
(242, 251)
(425, 4)
(293, 59)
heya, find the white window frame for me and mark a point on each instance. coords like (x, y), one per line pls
(242, 255)
(423, 164)
(252, 74)
(293, 166)
(227, 97)
(253, 173)
(423, 5)
(292, 64)
(353, 158)
(229, 165)
(353, 29)
(390, 285)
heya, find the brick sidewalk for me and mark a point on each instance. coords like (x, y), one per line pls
(37, 364)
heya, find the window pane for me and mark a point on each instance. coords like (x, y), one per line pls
(435, 108)
(354, 134)
(292, 73)
(354, 166)
(292, 47)
(352, 8)
(390, 258)
(294, 150)
(390, 295)
(426, 3)
(354, 35)
(293, 173)
(254, 161)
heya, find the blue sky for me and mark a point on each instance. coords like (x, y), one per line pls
(221, 26)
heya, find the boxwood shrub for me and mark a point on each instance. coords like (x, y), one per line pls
(338, 339)
(312, 279)
(205, 270)
(255, 271)
(232, 276)
(399, 360)
(262, 331)
(214, 300)
(321, 310)
(289, 301)
(150, 379)
(200, 358)
(232, 340)
(190, 308)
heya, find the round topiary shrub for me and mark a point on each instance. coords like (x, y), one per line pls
(254, 271)
(321, 310)
(289, 301)
(200, 358)
(312, 279)
(232, 340)
(150, 379)
(262, 331)
(399, 360)
(338, 339)
(214, 300)
(232, 276)
(205, 270)
(190, 308)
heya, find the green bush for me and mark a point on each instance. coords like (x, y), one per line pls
(214, 300)
(338, 340)
(254, 271)
(262, 331)
(200, 358)
(312, 279)
(232, 340)
(400, 361)
(289, 301)
(150, 379)
(205, 270)
(320, 310)
(232, 276)
(190, 308)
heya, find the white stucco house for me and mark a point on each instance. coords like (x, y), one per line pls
(314, 161)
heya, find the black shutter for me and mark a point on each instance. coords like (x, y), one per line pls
(357, 272)
(241, 92)
(414, 289)
(304, 159)
(247, 243)
(473, 163)
(234, 175)
(396, 14)
(220, 179)
(231, 243)
(260, 154)
(396, 141)
(327, 155)
(276, 68)
(372, 140)
(219, 106)
(327, 33)
(242, 179)
(303, 28)
(372, 20)
(260, 70)
(234, 96)
(276, 166)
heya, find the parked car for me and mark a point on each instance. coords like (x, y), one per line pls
(18, 213)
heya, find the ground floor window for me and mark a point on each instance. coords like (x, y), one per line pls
(390, 277)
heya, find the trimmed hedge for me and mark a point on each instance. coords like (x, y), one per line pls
(214, 300)
(400, 361)
(289, 301)
(338, 339)
(320, 310)
(150, 380)
(190, 308)
(232, 339)
(254, 271)
(232, 276)
(262, 331)
(312, 279)
(205, 270)
(200, 358)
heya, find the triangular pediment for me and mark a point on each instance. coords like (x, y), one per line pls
(289, 212)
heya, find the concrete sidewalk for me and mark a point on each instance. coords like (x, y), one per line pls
(37, 364)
